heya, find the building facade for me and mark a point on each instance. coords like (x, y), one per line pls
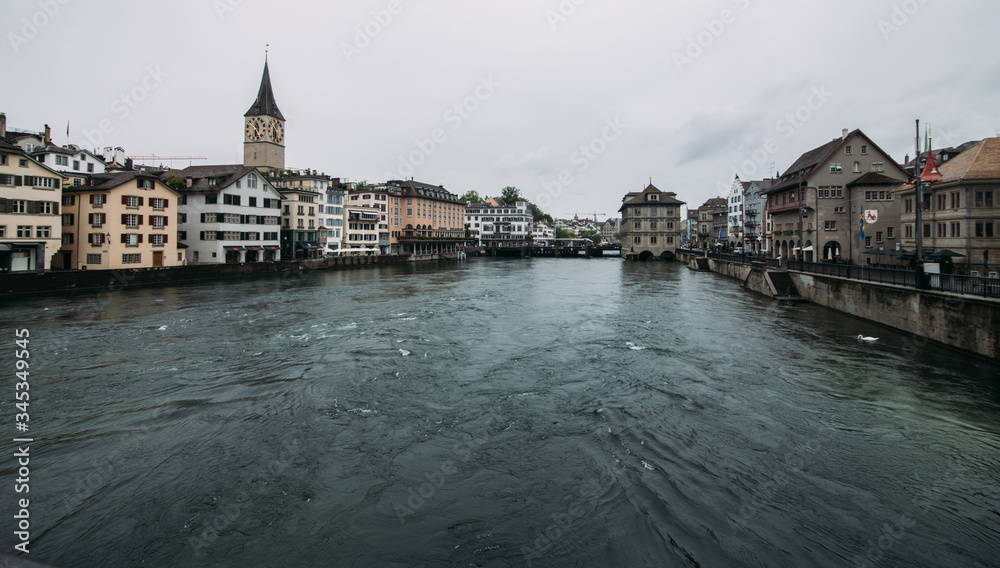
(651, 224)
(431, 219)
(812, 209)
(961, 213)
(120, 220)
(498, 224)
(30, 199)
(227, 214)
(264, 130)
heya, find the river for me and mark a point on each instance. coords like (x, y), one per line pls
(498, 412)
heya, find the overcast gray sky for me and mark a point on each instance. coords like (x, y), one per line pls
(575, 102)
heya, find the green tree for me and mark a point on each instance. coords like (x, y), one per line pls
(564, 233)
(594, 236)
(472, 196)
(361, 185)
(511, 195)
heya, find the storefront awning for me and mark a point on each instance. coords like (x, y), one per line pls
(5, 248)
(308, 245)
(234, 248)
(271, 247)
(253, 248)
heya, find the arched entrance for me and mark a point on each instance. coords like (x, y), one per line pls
(667, 255)
(831, 251)
(645, 256)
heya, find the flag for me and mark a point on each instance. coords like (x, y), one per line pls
(862, 227)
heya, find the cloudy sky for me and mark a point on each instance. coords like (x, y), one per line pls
(575, 102)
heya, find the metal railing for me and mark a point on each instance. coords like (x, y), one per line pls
(854, 272)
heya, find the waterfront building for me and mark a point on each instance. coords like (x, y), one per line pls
(706, 232)
(120, 220)
(811, 204)
(871, 198)
(753, 228)
(264, 130)
(432, 220)
(962, 211)
(542, 232)
(609, 230)
(651, 224)
(304, 197)
(720, 224)
(30, 197)
(385, 199)
(734, 217)
(498, 224)
(362, 232)
(227, 214)
(333, 216)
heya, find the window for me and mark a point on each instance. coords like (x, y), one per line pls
(984, 199)
(847, 149)
(24, 231)
(90, 168)
(62, 160)
(96, 239)
(956, 229)
(836, 168)
(158, 221)
(252, 201)
(956, 199)
(857, 167)
(98, 199)
(890, 232)
(652, 225)
(908, 231)
(130, 239)
(984, 228)
(637, 240)
(908, 206)
(20, 206)
(76, 165)
(868, 242)
(228, 199)
(131, 201)
(864, 149)
(157, 240)
(43, 232)
(829, 225)
(3, 230)
(67, 219)
(878, 166)
(878, 237)
(211, 182)
(157, 203)
(252, 181)
(637, 225)
(839, 209)
(130, 221)
(927, 230)
(652, 240)
(45, 208)
(211, 198)
(93, 259)
(69, 200)
(942, 202)
(132, 258)
(301, 210)
(942, 230)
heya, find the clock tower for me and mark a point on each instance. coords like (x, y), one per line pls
(264, 130)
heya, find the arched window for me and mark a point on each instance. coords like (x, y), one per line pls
(252, 181)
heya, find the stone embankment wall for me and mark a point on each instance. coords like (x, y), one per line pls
(965, 322)
(29, 282)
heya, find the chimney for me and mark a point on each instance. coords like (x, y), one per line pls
(844, 135)
(3, 125)
(128, 164)
(47, 139)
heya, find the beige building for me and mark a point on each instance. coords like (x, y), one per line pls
(962, 211)
(651, 224)
(264, 130)
(814, 201)
(30, 196)
(705, 222)
(120, 220)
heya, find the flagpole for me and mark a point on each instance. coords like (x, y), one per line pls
(918, 209)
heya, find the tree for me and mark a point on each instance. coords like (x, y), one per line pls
(564, 233)
(594, 236)
(472, 196)
(361, 185)
(511, 195)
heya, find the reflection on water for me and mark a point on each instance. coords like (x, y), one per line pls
(499, 412)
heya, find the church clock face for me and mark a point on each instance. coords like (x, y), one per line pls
(277, 131)
(256, 129)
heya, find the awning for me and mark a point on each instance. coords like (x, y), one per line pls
(309, 245)
(253, 248)
(5, 248)
(233, 248)
(271, 247)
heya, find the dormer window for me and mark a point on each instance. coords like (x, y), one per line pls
(211, 182)
(652, 197)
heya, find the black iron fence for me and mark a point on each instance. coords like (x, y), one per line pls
(866, 273)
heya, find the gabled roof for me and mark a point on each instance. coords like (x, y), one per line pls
(67, 151)
(714, 202)
(979, 162)
(416, 189)
(224, 176)
(666, 198)
(264, 103)
(111, 180)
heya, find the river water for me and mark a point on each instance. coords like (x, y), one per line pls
(499, 412)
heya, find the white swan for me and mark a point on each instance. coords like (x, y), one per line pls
(868, 339)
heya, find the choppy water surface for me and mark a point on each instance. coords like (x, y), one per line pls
(540, 412)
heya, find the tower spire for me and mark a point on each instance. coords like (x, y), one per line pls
(264, 104)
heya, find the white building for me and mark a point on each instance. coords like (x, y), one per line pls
(71, 160)
(361, 234)
(496, 223)
(734, 215)
(378, 198)
(542, 231)
(228, 213)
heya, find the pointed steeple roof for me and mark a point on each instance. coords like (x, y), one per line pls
(264, 104)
